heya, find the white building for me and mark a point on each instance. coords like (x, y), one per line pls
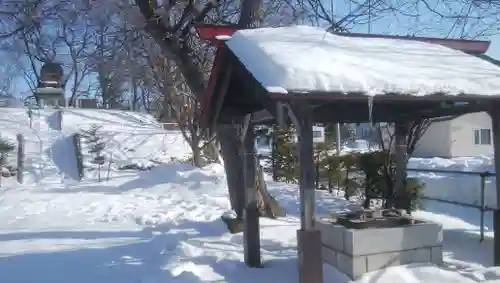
(466, 135)
(447, 137)
(318, 134)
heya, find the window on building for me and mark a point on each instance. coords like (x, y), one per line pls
(316, 134)
(482, 136)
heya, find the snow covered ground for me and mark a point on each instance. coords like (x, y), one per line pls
(163, 225)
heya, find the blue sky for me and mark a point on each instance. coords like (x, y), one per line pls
(425, 25)
(494, 50)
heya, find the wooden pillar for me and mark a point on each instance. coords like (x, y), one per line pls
(308, 239)
(495, 122)
(59, 119)
(307, 176)
(251, 233)
(401, 197)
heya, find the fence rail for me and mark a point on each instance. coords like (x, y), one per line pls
(481, 207)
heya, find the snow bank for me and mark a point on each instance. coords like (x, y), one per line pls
(456, 187)
(129, 136)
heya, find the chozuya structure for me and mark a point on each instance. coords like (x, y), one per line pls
(306, 75)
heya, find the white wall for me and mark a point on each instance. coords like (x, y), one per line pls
(319, 138)
(436, 141)
(462, 135)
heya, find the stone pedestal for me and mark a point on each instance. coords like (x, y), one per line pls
(358, 251)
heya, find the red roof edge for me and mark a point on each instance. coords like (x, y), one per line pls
(210, 32)
(472, 46)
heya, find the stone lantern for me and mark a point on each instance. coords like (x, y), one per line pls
(50, 89)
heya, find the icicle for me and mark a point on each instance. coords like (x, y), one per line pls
(370, 109)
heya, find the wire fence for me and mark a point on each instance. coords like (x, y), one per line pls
(436, 194)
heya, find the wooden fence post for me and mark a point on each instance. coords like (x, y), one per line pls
(78, 154)
(20, 158)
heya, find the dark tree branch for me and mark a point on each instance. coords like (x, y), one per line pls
(178, 52)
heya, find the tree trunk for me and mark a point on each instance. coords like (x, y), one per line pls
(228, 136)
(267, 204)
(197, 160)
(251, 17)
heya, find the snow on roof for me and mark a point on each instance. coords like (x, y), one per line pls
(302, 58)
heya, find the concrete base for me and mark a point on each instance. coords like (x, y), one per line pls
(355, 252)
(309, 256)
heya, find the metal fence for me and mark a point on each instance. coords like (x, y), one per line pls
(482, 185)
(482, 177)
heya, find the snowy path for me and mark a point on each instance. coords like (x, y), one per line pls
(164, 225)
(44, 232)
(461, 233)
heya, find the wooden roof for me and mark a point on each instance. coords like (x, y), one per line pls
(339, 109)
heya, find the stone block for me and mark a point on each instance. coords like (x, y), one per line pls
(357, 251)
(384, 240)
(329, 255)
(351, 266)
(331, 235)
(437, 255)
(383, 260)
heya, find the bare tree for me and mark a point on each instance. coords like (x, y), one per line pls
(107, 63)
(32, 48)
(75, 39)
(171, 25)
(178, 104)
(414, 131)
(8, 72)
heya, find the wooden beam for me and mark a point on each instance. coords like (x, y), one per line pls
(210, 32)
(325, 96)
(222, 91)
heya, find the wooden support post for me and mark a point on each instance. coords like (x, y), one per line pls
(281, 115)
(59, 115)
(495, 122)
(307, 178)
(20, 158)
(308, 239)
(401, 197)
(251, 232)
(78, 154)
